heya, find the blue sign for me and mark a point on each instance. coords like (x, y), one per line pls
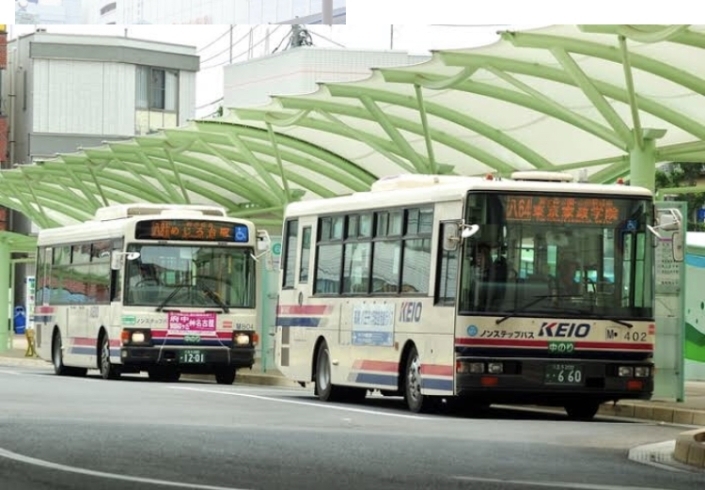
(472, 330)
(701, 215)
(241, 234)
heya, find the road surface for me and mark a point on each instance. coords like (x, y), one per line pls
(73, 433)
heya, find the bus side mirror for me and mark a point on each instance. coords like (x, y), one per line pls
(117, 259)
(264, 243)
(452, 234)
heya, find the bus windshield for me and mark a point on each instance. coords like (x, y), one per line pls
(190, 276)
(556, 255)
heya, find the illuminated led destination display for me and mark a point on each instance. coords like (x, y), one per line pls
(563, 209)
(192, 230)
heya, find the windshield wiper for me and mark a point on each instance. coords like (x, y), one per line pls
(529, 304)
(171, 295)
(209, 292)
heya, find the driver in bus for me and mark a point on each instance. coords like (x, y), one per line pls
(146, 274)
(567, 286)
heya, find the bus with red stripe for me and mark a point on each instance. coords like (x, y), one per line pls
(156, 288)
(471, 291)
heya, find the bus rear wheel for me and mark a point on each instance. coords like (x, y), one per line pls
(324, 387)
(57, 359)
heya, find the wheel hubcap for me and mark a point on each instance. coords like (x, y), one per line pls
(57, 353)
(414, 377)
(324, 372)
(105, 356)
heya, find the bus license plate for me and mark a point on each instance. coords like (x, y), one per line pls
(192, 357)
(564, 374)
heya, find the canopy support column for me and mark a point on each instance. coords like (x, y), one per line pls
(642, 159)
(280, 164)
(5, 325)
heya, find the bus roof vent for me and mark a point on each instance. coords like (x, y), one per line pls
(411, 181)
(541, 176)
(123, 211)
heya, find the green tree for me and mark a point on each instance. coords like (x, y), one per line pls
(685, 174)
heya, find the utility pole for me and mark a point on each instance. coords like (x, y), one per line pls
(391, 37)
(327, 11)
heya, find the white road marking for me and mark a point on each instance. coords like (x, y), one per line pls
(306, 404)
(4, 453)
(562, 485)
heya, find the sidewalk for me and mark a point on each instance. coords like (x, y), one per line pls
(689, 412)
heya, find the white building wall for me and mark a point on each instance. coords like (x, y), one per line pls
(83, 97)
(187, 96)
(203, 11)
(297, 71)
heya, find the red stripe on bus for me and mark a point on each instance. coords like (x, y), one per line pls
(86, 341)
(368, 365)
(436, 370)
(303, 309)
(544, 344)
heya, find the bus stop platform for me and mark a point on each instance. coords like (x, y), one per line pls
(689, 412)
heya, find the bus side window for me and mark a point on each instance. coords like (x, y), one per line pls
(305, 254)
(291, 229)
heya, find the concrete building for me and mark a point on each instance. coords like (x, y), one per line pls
(208, 11)
(297, 71)
(44, 12)
(63, 92)
(66, 91)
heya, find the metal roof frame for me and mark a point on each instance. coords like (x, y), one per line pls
(605, 100)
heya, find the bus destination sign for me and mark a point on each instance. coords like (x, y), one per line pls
(192, 230)
(564, 209)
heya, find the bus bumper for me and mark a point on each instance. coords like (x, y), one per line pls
(553, 381)
(200, 360)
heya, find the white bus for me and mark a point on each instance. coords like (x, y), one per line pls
(166, 289)
(474, 290)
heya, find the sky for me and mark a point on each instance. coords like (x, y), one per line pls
(212, 43)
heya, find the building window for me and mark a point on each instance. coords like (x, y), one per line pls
(156, 89)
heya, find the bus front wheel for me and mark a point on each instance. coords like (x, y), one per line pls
(415, 400)
(583, 411)
(225, 376)
(107, 369)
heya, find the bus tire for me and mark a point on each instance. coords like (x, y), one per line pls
(57, 359)
(225, 376)
(324, 388)
(415, 400)
(106, 368)
(583, 411)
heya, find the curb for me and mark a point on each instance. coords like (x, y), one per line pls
(690, 448)
(653, 411)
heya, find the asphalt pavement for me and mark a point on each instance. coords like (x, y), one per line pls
(89, 433)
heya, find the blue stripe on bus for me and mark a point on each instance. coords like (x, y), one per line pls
(377, 379)
(437, 384)
(202, 343)
(541, 353)
(298, 321)
(92, 351)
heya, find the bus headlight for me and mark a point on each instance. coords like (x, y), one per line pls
(625, 371)
(132, 336)
(241, 338)
(641, 372)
